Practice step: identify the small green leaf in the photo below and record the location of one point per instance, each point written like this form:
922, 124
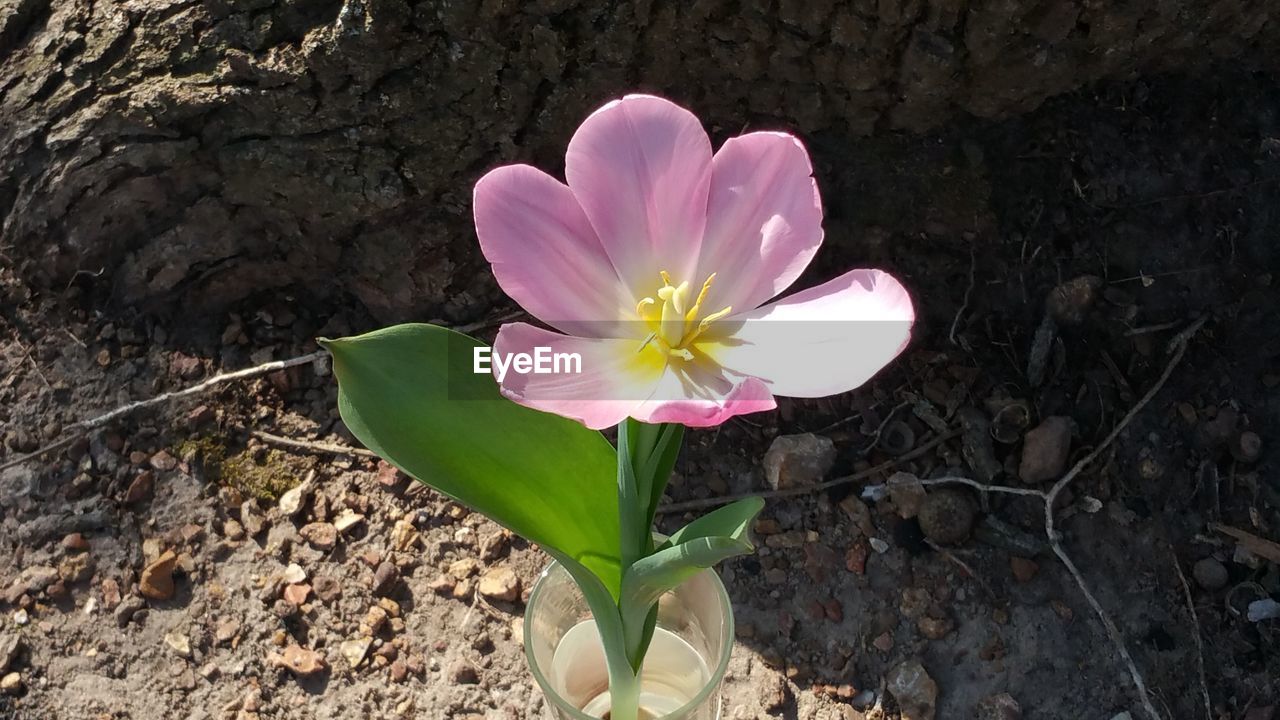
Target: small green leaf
409, 393
732, 520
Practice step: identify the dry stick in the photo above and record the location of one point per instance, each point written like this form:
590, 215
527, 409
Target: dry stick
872, 472
85, 427
1195, 621
965, 305
312, 446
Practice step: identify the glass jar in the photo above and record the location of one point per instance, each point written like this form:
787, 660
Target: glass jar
682, 672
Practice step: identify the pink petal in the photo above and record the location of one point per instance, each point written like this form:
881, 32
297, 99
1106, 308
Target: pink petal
764, 219
822, 341
614, 380
640, 167
703, 395
544, 253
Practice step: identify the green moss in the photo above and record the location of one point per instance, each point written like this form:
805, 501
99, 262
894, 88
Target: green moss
266, 479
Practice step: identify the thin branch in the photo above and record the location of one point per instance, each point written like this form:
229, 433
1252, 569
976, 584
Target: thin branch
312, 446
955, 480
973, 261
85, 427
1195, 622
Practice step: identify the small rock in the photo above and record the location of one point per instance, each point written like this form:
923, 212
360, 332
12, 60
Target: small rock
947, 515
389, 477
110, 593
20, 617
226, 631
294, 499
355, 650
399, 671
298, 660
179, 644
320, 535
233, 530
297, 593
10, 646
156, 582
293, 573
125, 611
906, 496
140, 489
385, 578
1023, 568
347, 520
1070, 302
1210, 574
374, 620
494, 545
464, 568
163, 461
326, 588
883, 642
773, 692
252, 519
464, 673
75, 542
998, 707
1247, 447
798, 460
1045, 450
501, 583
934, 628
915, 691
74, 569
11, 684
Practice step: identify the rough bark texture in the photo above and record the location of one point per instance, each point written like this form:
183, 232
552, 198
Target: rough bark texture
202, 150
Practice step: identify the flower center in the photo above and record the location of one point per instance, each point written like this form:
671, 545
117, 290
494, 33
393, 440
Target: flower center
674, 323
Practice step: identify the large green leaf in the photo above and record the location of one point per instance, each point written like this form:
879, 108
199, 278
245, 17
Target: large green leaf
409, 393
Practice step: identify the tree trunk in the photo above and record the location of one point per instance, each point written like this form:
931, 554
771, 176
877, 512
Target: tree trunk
198, 151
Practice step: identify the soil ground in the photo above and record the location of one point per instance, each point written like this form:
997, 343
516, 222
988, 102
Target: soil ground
1167, 190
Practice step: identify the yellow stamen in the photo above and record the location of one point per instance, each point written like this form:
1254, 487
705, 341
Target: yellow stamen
677, 324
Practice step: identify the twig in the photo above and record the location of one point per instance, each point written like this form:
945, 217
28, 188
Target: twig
787, 492
1195, 622
954, 480
1178, 347
951, 336
84, 427
963, 566
312, 446
1152, 328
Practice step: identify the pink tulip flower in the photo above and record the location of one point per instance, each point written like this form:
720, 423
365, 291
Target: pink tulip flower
657, 260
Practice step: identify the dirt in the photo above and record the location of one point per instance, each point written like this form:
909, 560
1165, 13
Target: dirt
1165, 188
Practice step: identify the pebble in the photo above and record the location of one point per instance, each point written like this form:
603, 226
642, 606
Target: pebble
464, 673
1045, 450
1210, 574
294, 499
298, 660
141, 487
156, 582
163, 461
293, 573
129, 607
320, 535
934, 628
998, 707
500, 583
233, 530
179, 644
798, 460
326, 588
226, 630
947, 516
1247, 447
915, 691
906, 496
74, 569
297, 593
385, 578
252, 519
464, 568
10, 646
347, 520
399, 671
11, 684
1023, 569
355, 650
1070, 302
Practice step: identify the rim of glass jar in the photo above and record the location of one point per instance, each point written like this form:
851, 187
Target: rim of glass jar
717, 675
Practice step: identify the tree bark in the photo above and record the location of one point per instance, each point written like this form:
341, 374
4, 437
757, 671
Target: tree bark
199, 151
